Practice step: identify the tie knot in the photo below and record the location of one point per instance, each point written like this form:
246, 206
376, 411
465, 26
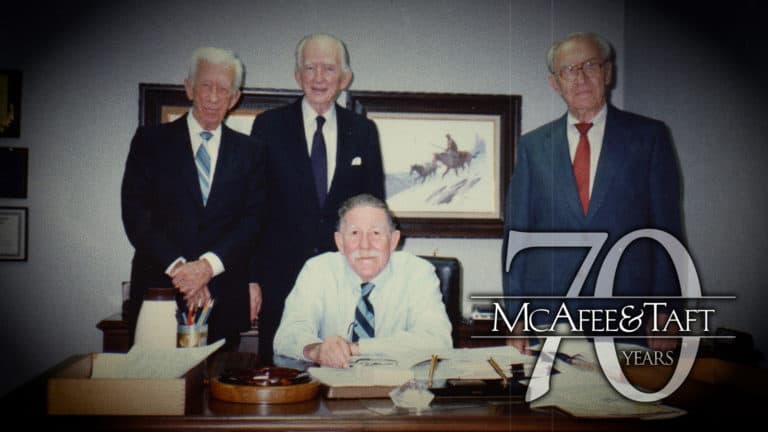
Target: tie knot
320, 121
205, 135
583, 127
366, 288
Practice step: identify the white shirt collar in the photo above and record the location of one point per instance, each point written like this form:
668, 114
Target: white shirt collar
355, 280
597, 121
310, 114
195, 128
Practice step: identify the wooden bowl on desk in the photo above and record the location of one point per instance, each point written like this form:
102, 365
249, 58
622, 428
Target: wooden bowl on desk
264, 395
268, 385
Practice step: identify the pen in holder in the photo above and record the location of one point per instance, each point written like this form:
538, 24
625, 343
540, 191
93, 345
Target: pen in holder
192, 336
193, 326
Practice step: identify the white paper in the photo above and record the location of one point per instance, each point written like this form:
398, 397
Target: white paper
472, 363
361, 376
144, 363
588, 394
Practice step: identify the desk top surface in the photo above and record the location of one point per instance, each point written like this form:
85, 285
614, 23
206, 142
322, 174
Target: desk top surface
378, 414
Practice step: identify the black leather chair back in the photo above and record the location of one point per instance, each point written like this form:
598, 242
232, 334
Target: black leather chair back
448, 270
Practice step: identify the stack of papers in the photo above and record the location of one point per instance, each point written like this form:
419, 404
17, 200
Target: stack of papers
362, 376
395, 369
586, 393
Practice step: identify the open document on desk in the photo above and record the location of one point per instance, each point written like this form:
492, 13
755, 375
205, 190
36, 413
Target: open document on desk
395, 369
578, 385
585, 392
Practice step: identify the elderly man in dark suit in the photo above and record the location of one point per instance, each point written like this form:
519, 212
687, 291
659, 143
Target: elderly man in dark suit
191, 196
595, 169
318, 155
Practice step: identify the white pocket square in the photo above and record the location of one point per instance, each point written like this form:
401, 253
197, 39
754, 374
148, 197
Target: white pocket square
357, 161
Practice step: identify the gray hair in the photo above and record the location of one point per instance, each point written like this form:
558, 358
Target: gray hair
341, 49
365, 200
606, 52
217, 56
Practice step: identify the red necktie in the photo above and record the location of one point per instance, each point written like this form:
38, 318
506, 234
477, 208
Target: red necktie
581, 165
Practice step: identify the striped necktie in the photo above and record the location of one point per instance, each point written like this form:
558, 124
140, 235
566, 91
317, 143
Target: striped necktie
203, 162
364, 323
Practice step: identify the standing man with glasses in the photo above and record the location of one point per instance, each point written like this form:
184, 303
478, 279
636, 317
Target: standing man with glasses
192, 193
318, 155
595, 169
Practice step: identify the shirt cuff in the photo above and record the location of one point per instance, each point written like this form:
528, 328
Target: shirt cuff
179, 260
303, 343
215, 262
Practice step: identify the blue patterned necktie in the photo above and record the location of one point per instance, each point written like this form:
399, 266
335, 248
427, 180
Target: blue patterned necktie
319, 164
203, 162
364, 323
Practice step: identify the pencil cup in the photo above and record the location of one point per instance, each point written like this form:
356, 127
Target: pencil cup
192, 336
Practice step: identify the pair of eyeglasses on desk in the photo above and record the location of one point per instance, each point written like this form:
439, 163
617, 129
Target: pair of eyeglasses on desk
369, 361
577, 360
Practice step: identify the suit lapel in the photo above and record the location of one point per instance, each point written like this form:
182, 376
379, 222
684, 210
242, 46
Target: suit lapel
296, 150
343, 145
612, 157
183, 153
224, 163
565, 182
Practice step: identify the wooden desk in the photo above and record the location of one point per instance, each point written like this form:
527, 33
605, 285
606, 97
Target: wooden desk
318, 414
706, 405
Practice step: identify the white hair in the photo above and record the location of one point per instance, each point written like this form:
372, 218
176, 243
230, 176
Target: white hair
365, 200
606, 52
341, 49
217, 56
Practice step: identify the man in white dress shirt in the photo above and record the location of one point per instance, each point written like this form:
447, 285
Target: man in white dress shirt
321, 318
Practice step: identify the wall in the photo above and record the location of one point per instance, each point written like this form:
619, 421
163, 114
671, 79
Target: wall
82, 64
702, 72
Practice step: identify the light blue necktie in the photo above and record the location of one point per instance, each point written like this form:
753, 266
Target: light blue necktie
203, 162
364, 322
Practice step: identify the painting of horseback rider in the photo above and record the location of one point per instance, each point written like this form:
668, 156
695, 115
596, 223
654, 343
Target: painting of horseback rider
453, 161
423, 171
451, 147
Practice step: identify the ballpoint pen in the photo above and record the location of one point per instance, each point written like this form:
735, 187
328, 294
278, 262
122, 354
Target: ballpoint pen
432, 366
495, 366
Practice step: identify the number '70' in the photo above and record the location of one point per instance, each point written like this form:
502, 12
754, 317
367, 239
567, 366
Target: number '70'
690, 287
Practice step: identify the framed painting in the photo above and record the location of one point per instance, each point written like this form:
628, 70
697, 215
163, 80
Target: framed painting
447, 158
10, 103
13, 233
162, 103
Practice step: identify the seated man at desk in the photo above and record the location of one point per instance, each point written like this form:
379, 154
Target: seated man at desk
364, 299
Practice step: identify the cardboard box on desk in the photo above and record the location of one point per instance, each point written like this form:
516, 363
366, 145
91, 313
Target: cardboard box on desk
73, 391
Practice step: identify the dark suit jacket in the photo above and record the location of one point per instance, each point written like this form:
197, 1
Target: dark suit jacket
164, 216
637, 185
295, 226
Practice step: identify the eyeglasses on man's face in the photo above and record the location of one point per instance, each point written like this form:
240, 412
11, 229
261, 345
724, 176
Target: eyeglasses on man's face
591, 68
